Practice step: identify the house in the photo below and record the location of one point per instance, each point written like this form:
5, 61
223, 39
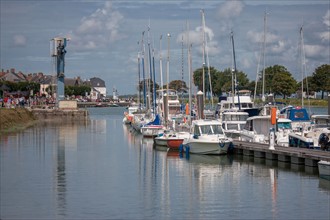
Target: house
98, 85
12, 76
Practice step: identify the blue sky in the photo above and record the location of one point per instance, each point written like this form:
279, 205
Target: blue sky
104, 36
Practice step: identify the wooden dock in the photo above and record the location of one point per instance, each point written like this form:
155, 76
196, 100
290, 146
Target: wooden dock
300, 156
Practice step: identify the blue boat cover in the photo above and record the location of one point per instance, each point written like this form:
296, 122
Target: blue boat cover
300, 114
157, 121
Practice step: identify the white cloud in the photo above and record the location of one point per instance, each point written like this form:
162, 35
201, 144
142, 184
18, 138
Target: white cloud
326, 18
19, 40
226, 14
313, 51
325, 36
279, 47
230, 9
196, 39
258, 37
98, 29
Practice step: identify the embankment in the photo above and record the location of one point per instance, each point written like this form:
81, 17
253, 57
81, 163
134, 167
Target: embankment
14, 119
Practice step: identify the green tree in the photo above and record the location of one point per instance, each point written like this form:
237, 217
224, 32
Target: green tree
149, 84
321, 79
275, 76
224, 81
77, 90
198, 78
178, 85
283, 84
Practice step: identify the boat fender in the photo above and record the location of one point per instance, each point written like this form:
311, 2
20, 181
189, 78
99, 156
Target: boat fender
221, 143
187, 149
181, 148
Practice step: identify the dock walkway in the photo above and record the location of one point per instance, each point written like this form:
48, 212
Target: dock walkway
301, 156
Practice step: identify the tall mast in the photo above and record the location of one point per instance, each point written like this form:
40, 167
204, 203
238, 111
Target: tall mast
168, 70
143, 72
264, 55
161, 69
203, 50
189, 73
150, 68
139, 78
235, 70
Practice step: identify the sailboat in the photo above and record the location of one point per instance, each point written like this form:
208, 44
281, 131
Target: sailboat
238, 100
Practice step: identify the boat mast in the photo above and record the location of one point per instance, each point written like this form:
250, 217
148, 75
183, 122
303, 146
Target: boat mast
264, 55
139, 92
150, 68
161, 70
235, 70
189, 73
203, 57
167, 72
208, 62
143, 72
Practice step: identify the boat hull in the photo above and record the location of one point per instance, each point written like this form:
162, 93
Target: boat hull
151, 130
174, 143
324, 169
215, 147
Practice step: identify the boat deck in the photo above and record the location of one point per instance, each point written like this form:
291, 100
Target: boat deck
301, 156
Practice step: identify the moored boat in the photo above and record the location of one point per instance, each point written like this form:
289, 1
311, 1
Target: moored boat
324, 169
207, 137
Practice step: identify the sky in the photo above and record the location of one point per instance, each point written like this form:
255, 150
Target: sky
105, 37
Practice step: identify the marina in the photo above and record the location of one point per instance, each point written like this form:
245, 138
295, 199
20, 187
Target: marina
104, 169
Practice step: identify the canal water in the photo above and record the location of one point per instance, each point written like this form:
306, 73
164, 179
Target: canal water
103, 170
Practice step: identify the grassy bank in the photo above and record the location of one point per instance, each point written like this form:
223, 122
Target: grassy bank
15, 119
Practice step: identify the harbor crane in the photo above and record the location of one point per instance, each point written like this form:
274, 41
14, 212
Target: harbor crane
58, 51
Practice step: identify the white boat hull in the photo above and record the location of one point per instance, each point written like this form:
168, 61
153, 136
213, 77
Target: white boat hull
151, 130
324, 169
211, 146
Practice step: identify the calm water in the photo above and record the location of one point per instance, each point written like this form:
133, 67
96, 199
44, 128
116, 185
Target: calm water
103, 170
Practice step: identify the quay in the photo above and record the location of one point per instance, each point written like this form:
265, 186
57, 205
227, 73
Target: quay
67, 110
293, 155
102, 104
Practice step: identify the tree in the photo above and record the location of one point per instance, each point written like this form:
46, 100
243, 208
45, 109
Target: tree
178, 85
321, 78
224, 81
278, 80
198, 78
149, 84
77, 90
283, 84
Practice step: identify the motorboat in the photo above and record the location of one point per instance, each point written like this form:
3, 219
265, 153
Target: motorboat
241, 101
128, 115
324, 169
257, 129
314, 136
171, 139
233, 122
207, 137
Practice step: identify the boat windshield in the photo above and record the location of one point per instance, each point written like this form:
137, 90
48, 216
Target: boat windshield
234, 117
211, 129
284, 125
233, 127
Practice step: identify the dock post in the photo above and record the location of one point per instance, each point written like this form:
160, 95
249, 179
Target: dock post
328, 104
271, 139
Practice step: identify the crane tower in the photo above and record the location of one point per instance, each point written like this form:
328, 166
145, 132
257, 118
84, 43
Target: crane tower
58, 51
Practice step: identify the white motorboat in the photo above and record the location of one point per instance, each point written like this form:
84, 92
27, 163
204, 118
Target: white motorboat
315, 136
207, 137
257, 129
324, 169
242, 101
233, 123
171, 139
